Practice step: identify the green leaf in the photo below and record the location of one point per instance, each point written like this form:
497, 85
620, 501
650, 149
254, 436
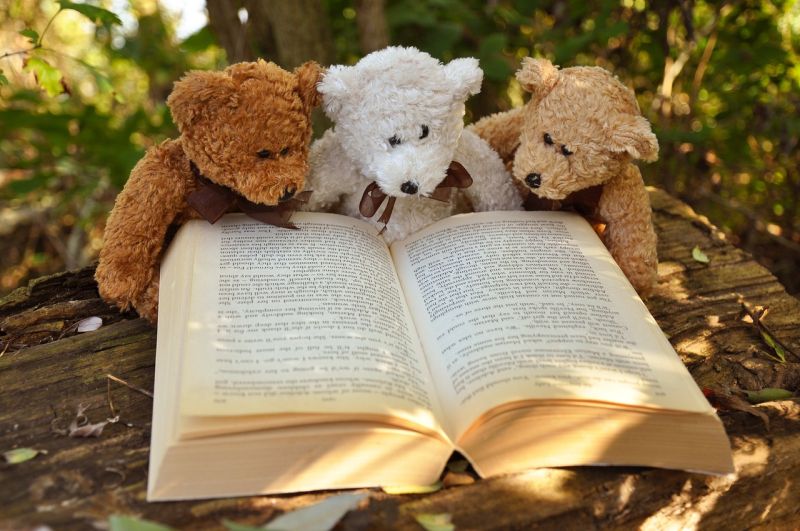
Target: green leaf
768, 394
98, 15
20, 455
493, 44
48, 77
3, 79
32, 34
435, 522
199, 41
774, 345
699, 255
119, 522
413, 489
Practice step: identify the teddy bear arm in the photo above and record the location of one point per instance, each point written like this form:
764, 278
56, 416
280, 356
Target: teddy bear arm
493, 187
501, 131
629, 233
331, 175
135, 232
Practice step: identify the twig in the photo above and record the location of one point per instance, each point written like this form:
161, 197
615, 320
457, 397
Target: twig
757, 315
108, 394
130, 386
19, 52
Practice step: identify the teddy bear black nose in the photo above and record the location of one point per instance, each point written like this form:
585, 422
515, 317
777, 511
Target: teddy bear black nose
534, 180
288, 193
409, 188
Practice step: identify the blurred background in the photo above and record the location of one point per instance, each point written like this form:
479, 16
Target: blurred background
83, 85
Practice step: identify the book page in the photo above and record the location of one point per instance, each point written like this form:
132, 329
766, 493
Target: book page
515, 306
301, 321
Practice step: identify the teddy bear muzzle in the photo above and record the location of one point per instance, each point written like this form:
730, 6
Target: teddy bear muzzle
409, 187
534, 180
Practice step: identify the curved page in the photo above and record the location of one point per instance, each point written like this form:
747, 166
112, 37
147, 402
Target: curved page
300, 321
513, 306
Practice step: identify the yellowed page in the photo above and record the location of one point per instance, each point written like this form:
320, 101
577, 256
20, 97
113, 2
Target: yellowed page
527, 305
308, 321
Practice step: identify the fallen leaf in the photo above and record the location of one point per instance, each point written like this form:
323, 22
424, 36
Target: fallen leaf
458, 466
119, 522
768, 394
699, 255
90, 430
20, 455
456, 479
321, 516
435, 522
90, 324
80, 425
413, 489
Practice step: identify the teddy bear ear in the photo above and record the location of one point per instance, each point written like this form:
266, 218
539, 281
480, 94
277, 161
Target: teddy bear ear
197, 94
537, 76
308, 75
465, 76
336, 87
632, 134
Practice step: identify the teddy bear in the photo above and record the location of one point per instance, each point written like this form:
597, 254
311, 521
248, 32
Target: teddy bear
243, 145
398, 143
573, 146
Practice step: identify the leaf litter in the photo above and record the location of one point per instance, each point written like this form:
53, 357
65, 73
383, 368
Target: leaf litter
80, 425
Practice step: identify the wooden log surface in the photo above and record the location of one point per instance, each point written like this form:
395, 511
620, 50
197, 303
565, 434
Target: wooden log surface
48, 371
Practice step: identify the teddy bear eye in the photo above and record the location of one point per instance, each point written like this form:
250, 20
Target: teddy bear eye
394, 140
548, 139
565, 151
265, 154
424, 132
284, 152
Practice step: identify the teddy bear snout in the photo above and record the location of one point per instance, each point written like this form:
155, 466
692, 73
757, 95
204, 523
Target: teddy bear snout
288, 193
534, 180
409, 187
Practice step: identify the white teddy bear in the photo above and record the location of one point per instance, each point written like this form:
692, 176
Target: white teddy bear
398, 135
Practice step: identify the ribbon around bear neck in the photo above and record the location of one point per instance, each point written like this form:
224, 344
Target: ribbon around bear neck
212, 200
457, 177
585, 202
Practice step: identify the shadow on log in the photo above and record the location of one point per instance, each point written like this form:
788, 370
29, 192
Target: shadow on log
48, 370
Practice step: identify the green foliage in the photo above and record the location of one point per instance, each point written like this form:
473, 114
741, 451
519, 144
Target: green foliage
98, 15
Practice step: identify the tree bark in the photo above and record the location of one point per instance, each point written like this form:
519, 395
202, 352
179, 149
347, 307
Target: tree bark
371, 20
223, 17
288, 32
301, 32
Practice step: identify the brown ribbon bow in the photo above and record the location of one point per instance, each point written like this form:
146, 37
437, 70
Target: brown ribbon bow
457, 177
584, 202
212, 200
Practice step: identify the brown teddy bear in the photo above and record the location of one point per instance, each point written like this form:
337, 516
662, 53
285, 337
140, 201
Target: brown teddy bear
572, 145
243, 144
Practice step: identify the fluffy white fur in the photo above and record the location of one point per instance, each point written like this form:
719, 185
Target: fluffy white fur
394, 92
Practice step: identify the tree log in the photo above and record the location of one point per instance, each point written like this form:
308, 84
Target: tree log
47, 370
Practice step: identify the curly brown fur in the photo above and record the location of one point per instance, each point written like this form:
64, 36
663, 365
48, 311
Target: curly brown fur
582, 128
224, 118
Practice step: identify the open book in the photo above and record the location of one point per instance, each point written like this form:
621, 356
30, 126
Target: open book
322, 359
